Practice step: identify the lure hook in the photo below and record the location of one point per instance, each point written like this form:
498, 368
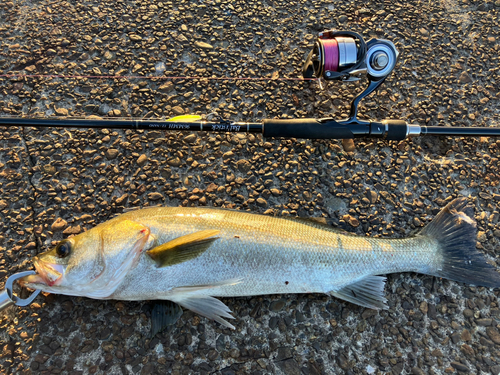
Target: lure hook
7, 297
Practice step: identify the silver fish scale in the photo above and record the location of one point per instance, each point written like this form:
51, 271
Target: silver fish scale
269, 255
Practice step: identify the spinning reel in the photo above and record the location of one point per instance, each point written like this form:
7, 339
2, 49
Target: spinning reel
344, 55
340, 55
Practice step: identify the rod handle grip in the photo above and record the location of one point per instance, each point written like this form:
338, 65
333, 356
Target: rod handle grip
308, 128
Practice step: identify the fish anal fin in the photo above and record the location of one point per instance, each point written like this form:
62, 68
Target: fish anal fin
183, 248
198, 299
367, 292
164, 314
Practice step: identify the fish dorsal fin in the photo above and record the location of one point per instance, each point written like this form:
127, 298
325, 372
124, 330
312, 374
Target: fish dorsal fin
182, 249
197, 298
367, 292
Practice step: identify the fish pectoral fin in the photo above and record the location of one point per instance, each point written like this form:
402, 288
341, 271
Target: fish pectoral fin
204, 304
165, 314
367, 292
183, 248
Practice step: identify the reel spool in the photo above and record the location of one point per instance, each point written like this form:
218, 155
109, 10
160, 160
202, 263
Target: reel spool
338, 55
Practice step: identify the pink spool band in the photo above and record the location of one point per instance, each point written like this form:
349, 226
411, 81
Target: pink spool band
331, 53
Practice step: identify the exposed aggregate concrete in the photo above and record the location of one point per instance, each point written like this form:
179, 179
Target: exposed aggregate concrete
55, 183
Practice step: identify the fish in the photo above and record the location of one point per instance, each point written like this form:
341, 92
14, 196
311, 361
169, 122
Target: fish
191, 256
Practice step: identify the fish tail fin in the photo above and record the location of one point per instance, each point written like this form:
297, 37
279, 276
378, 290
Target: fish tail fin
454, 229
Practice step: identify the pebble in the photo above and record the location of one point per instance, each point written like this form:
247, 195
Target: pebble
372, 196
243, 165
203, 45
276, 306
166, 87
465, 335
423, 31
72, 230
465, 78
190, 138
459, 366
481, 236
61, 111
417, 371
485, 322
261, 202
155, 196
142, 160
424, 307
58, 225
112, 153
348, 145
122, 199
493, 334
108, 55
289, 366
468, 313
174, 162
351, 220
178, 110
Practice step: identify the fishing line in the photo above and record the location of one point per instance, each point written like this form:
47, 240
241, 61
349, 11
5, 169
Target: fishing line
79, 76
330, 54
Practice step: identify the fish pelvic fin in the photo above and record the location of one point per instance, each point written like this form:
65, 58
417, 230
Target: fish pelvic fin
198, 299
183, 248
367, 292
164, 315
454, 229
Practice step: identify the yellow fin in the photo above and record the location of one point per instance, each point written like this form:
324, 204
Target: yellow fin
185, 118
183, 248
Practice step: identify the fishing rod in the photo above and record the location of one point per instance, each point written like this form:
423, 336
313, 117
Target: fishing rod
336, 56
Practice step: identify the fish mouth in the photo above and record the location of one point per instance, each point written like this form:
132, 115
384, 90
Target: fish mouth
49, 274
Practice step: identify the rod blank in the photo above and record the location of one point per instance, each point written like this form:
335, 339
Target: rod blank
460, 132
234, 127
283, 128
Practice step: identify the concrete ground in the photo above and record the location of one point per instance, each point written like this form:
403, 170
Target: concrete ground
55, 183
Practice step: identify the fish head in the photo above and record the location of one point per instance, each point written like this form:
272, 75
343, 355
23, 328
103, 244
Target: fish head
91, 264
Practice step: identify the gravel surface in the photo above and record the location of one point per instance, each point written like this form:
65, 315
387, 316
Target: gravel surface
55, 183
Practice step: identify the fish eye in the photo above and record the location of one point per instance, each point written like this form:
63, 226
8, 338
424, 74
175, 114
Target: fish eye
63, 249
